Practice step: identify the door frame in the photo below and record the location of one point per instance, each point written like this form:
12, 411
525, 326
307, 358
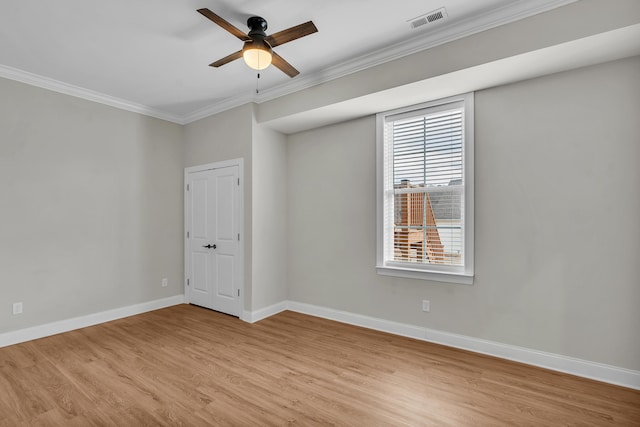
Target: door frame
239, 162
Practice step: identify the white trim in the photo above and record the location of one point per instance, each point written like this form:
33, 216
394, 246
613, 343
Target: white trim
512, 12
509, 13
48, 329
384, 186
569, 365
583, 368
224, 105
239, 162
215, 165
263, 313
88, 94
409, 273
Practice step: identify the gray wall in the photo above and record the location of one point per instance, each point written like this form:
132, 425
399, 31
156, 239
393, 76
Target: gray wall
235, 134
226, 136
557, 208
269, 285
90, 208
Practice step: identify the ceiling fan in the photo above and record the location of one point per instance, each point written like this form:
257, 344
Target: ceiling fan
258, 47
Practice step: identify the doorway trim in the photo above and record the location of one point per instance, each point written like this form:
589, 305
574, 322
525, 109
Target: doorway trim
239, 162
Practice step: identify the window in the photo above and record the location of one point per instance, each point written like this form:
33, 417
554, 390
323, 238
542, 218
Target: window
425, 191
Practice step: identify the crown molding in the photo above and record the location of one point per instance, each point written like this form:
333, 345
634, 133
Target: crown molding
509, 13
80, 92
512, 12
219, 107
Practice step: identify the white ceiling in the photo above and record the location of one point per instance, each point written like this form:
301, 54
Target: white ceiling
152, 56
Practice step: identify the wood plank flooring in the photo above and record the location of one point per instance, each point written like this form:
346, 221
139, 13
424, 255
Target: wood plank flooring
189, 366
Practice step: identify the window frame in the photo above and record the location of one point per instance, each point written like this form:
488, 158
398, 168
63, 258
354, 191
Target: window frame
441, 273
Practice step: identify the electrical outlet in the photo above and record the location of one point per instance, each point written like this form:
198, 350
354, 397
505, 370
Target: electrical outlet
17, 308
165, 282
426, 305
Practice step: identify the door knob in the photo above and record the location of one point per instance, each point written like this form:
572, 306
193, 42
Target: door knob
209, 246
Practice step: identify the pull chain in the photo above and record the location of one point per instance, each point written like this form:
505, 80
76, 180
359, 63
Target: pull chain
257, 84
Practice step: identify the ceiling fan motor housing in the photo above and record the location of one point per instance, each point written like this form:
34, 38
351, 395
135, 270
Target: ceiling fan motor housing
258, 26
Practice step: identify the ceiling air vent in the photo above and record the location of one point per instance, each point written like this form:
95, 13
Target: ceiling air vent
428, 18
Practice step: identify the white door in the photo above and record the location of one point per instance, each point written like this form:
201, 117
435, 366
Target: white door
214, 270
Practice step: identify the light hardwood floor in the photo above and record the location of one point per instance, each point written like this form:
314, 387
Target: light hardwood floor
189, 366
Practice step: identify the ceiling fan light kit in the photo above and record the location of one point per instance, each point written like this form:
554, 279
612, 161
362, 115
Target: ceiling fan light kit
257, 53
258, 47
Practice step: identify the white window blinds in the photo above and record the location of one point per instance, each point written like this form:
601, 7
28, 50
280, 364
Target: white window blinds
425, 181
428, 187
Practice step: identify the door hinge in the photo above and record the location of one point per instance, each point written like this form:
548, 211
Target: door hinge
187, 187
238, 181
187, 282
238, 292
187, 234
238, 237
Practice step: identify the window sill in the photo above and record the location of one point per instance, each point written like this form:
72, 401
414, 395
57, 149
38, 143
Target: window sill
437, 276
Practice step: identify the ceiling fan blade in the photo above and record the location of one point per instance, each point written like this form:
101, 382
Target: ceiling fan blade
279, 62
285, 36
227, 59
224, 24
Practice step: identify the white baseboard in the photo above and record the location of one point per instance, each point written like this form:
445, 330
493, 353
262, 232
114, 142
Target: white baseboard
41, 331
583, 368
597, 371
263, 313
